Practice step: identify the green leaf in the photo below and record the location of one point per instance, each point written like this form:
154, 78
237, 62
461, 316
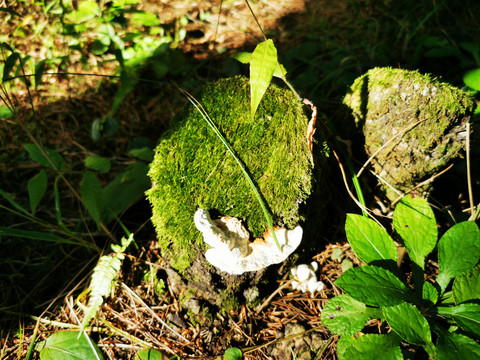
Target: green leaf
262, 66
407, 321
454, 346
101, 284
374, 286
37, 186
92, 196
87, 9
233, 354
472, 79
12, 202
9, 64
126, 189
52, 160
98, 163
145, 19
369, 240
458, 251
414, 221
429, 293
467, 316
151, 354
370, 346
343, 315
68, 345
6, 112
467, 286
39, 70
144, 153
243, 57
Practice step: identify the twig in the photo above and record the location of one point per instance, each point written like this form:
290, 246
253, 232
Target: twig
136, 297
430, 179
469, 175
267, 301
386, 144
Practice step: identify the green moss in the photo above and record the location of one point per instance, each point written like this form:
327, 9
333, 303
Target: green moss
229, 302
386, 101
193, 170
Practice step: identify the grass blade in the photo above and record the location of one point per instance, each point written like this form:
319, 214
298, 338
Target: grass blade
212, 125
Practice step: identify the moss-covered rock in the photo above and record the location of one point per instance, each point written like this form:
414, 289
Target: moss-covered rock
192, 169
386, 101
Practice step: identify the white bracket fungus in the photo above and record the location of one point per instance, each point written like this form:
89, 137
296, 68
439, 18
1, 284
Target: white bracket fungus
232, 251
306, 279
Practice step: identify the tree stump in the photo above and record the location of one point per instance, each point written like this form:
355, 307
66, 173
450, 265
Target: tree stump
193, 170
413, 125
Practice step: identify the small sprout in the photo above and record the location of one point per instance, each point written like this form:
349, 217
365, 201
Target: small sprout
346, 264
232, 251
306, 279
337, 254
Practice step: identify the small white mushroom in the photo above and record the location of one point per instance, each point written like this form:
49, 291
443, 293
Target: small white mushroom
306, 279
232, 251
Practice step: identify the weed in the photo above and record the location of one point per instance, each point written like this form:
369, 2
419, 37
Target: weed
425, 314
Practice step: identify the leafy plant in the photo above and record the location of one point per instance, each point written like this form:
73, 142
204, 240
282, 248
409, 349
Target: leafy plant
102, 278
69, 345
232, 353
442, 319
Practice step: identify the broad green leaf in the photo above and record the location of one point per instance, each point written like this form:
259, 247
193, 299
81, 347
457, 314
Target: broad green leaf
52, 160
472, 79
245, 57
407, 321
92, 196
144, 153
126, 189
87, 9
458, 251
9, 64
68, 345
151, 354
37, 186
262, 66
429, 293
467, 316
373, 286
414, 221
467, 286
454, 346
369, 240
233, 354
5, 112
371, 346
145, 19
98, 163
343, 315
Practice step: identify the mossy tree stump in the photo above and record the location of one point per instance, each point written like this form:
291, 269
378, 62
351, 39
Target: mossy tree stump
425, 117
192, 169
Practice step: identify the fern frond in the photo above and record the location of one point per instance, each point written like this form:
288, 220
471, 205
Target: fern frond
102, 279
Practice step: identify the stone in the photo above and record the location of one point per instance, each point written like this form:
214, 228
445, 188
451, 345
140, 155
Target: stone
428, 118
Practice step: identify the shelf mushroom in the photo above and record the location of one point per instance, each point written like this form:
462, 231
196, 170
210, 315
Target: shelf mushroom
231, 249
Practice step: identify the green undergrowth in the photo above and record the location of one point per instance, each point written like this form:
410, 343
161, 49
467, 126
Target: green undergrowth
193, 170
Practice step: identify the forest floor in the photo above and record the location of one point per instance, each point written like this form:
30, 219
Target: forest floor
324, 45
